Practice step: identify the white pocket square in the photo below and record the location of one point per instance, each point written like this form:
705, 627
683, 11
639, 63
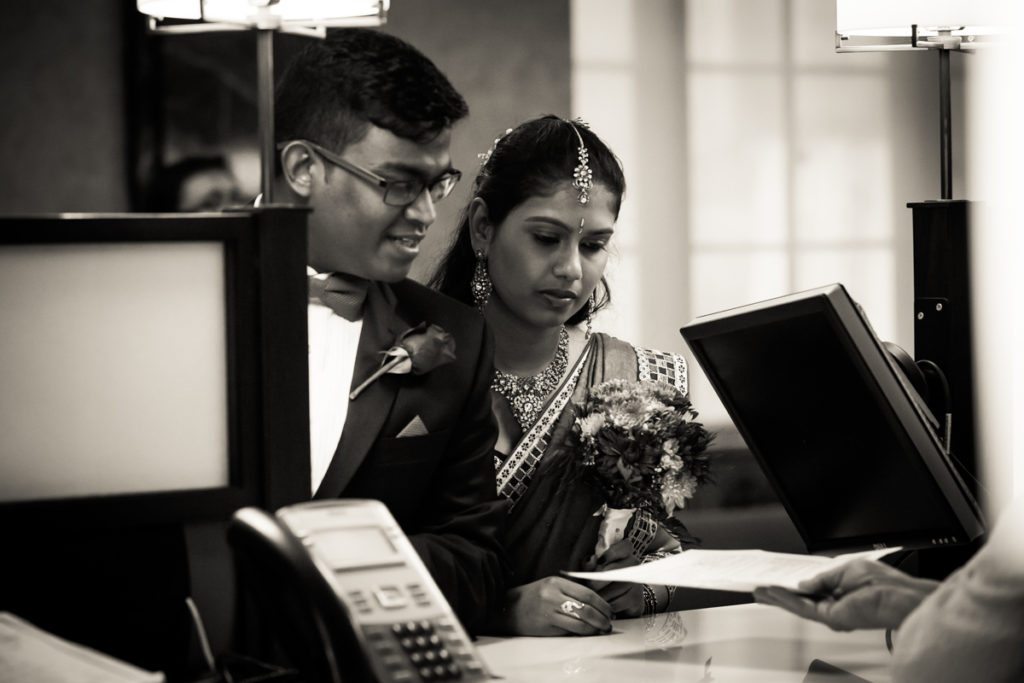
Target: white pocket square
414, 428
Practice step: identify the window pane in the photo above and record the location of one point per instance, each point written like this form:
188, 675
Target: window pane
734, 31
868, 275
843, 170
720, 280
602, 31
737, 170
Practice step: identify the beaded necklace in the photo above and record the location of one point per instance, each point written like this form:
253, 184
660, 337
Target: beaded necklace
525, 395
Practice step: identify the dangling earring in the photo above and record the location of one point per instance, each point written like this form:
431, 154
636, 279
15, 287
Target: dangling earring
591, 305
480, 285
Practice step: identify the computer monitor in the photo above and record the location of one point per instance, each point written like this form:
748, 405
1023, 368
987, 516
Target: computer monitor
839, 432
152, 367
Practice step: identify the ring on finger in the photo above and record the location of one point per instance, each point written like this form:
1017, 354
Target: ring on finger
571, 608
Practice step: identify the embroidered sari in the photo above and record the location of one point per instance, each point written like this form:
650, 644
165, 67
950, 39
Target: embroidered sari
552, 524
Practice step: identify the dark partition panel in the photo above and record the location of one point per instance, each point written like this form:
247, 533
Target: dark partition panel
99, 556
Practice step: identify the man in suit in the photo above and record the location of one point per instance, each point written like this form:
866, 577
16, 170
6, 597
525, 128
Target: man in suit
364, 123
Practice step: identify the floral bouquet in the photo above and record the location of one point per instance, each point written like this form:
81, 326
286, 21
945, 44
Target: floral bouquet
640, 443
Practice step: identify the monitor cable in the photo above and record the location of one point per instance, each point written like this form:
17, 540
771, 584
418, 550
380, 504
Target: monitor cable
204, 642
937, 383
936, 380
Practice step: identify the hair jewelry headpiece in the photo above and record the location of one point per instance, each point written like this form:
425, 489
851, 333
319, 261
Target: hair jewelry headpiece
484, 157
582, 175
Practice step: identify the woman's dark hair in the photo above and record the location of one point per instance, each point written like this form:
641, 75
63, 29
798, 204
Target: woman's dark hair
535, 159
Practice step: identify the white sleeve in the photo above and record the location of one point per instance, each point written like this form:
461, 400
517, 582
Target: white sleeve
972, 627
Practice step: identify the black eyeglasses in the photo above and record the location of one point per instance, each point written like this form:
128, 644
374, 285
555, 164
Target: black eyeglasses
396, 192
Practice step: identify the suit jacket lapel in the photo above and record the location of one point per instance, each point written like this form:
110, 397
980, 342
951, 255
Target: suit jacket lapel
366, 414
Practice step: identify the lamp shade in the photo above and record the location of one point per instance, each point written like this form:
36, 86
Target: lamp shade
282, 14
891, 22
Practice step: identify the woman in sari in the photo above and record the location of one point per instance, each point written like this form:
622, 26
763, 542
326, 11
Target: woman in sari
530, 254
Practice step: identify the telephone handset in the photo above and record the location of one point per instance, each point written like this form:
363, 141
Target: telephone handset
348, 594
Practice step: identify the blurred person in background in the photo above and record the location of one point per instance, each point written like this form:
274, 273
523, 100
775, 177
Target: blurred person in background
193, 184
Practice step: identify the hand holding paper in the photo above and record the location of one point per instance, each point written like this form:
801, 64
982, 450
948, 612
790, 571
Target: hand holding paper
859, 594
731, 570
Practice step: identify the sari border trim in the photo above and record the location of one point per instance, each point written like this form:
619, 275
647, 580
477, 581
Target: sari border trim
654, 366
513, 476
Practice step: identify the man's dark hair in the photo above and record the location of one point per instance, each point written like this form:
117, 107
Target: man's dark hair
337, 86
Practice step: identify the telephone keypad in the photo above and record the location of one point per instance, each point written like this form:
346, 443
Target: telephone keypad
427, 651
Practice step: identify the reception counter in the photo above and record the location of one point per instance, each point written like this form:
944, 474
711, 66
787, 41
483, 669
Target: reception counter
721, 644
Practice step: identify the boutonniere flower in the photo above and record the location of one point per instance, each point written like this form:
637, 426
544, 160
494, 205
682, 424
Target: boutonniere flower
418, 350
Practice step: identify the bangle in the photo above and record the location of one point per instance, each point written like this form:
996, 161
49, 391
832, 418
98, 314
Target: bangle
650, 600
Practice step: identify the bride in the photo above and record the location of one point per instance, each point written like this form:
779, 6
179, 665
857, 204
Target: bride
530, 252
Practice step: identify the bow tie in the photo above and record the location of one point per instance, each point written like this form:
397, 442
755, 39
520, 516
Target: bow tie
343, 294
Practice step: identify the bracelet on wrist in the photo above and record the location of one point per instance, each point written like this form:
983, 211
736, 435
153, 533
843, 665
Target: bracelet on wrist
650, 600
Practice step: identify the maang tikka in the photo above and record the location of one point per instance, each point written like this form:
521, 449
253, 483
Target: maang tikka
480, 286
582, 175
484, 157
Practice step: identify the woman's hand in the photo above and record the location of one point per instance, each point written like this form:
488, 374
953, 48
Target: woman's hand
535, 609
625, 599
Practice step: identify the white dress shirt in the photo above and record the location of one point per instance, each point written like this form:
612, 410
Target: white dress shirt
332, 356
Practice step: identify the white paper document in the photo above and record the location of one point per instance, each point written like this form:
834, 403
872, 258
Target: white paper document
31, 655
730, 570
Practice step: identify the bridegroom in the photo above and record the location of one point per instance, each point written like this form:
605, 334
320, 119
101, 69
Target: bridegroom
364, 123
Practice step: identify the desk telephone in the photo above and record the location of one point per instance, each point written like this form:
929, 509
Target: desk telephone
343, 575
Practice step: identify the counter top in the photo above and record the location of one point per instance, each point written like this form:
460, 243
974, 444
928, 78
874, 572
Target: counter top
737, 643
